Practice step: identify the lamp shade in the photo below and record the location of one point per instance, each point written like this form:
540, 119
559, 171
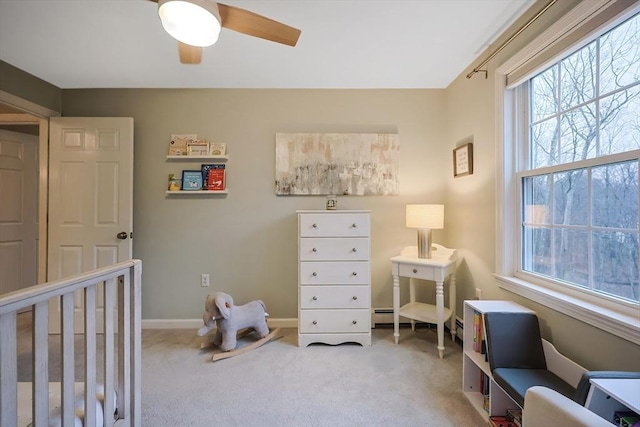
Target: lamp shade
193, 22
425, 216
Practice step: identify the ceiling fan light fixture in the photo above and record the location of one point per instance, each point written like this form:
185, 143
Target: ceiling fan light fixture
193, 22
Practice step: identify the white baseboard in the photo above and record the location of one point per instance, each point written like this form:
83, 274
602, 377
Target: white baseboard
196, 324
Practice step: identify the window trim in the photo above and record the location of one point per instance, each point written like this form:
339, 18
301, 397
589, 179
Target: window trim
620, 319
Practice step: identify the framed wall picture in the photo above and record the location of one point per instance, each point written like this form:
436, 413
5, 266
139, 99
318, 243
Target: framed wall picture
463, 160
192, 180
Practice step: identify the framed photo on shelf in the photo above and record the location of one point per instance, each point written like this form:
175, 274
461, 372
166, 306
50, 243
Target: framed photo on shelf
463, 160
191, 180
217, 149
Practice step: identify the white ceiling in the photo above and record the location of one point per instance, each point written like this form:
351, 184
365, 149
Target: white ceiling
344, 44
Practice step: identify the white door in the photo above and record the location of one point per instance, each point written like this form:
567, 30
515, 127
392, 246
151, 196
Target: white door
18, 210
90, 198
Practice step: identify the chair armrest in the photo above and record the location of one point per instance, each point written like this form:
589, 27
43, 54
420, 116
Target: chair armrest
561, 365
544, 407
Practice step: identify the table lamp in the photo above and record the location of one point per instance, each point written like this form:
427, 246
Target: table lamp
425, 218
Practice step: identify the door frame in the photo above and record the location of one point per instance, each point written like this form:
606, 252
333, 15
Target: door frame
42, 114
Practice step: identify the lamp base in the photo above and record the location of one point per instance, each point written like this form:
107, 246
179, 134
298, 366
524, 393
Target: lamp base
424, 243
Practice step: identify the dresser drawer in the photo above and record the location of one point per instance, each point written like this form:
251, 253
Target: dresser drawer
334, 296
334, 225
341, 321
334, 249
334, 273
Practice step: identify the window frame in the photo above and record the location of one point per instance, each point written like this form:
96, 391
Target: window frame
621, 318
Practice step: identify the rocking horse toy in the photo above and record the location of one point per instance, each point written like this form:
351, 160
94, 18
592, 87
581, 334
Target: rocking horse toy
233, 322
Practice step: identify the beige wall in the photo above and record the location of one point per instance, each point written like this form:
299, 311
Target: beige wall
247, 240
471, 204
30, 88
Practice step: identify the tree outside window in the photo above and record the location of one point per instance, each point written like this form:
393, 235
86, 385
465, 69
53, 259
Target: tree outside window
580, 216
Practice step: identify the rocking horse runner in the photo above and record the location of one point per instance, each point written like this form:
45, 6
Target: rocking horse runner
229, 318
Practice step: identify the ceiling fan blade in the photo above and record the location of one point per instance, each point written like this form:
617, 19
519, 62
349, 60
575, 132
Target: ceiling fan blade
246, 22
189, 54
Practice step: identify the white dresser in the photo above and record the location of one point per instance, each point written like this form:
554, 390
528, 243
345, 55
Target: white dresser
334, 277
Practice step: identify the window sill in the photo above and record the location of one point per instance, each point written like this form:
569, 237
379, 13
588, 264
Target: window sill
626, 326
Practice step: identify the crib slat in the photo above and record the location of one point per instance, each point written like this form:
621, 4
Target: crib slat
136, 343
109, 356
124, 349
68, 358
40, 364
8, 370
90, 356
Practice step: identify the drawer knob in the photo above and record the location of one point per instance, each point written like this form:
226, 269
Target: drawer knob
354, 273
315, 225
355, 297
415, 270
354, 322
354, 250
315, 322
353, 225
314, 250
315, 298
314, 274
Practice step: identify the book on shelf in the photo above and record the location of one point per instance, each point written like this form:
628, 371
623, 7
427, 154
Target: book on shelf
476, 315
216, 178
500, 421
178, 143
205, 172
479, 345
629, 421
515, 415
191, 180
175, 184
626, 418
217, 149
198, 147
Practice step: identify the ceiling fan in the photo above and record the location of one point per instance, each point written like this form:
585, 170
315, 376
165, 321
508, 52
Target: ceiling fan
197, 24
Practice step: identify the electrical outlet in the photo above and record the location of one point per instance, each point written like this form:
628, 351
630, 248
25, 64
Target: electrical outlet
478, 293
204, 280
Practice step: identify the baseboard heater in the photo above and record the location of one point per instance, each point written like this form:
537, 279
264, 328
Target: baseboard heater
383, 318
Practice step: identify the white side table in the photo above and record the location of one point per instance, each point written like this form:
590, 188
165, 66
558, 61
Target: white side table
438, 268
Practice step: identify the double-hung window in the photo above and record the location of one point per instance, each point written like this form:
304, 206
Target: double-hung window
576, 126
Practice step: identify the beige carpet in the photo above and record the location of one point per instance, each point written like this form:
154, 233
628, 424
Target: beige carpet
281, 384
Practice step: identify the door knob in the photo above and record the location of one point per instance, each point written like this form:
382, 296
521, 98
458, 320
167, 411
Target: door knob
122, 235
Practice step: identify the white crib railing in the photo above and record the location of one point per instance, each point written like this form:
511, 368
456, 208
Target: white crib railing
122, 353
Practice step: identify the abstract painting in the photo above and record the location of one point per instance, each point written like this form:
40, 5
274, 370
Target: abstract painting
337, 163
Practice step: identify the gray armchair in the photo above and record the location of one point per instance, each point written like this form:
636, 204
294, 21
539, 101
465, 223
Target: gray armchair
520, 359
517, 357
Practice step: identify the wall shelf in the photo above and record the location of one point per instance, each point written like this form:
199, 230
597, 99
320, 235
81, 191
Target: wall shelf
194, 158
198, 192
